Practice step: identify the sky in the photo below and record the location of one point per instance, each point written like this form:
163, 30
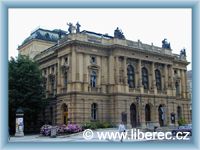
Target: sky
147, 25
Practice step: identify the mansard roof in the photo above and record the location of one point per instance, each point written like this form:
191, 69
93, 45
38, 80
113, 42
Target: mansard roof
46, 35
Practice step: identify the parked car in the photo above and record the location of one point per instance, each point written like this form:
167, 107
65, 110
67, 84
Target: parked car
183, 128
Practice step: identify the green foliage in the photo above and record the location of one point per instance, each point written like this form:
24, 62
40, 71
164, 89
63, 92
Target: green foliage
107, 125
25, 90
181, 121
96, 125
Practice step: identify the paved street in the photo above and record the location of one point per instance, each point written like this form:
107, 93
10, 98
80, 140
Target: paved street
78, 137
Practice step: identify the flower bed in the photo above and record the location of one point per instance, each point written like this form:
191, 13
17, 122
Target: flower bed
61, 129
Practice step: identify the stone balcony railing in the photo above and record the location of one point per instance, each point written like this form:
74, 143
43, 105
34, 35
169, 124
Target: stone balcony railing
94, 89
84, 37
114, 41
64, 90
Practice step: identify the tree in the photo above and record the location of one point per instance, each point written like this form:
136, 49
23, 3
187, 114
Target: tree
25, 90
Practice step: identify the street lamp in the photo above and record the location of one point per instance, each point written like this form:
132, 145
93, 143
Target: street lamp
138, 99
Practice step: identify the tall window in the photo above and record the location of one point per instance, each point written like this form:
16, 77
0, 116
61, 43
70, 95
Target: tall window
147, 113
131, 76
93, 78
158, 79
177, 88
179, 112
94, 111
145, 80
65, 113
65, 79
52, 82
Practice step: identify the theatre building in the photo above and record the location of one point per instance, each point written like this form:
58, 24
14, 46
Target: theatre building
90, 76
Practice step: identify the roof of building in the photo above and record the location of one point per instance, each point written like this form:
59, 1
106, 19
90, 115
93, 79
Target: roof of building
97, 34
47, 35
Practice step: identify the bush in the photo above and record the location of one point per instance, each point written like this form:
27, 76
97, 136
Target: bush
107, 125
96, 125
90, 125
73, 128
181, 122
45, 130
61, 129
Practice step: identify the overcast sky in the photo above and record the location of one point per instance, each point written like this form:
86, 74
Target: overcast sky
147, 25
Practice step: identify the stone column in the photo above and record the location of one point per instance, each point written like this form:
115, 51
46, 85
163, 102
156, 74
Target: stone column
59, 76
172, 81
48, 81
128, 115
85, 72
117, 69
186, 85
156, 115
142, 115
125, 71
183, 85
140, 76
166, 78
111, 69
125, 76
153, 115
73, 68
153, 78
111, 72
73, 65
180, 83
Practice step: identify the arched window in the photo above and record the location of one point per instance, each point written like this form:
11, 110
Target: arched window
131, 76
94, 111
93, 78
177, 88
145, 80
65, 113
179, 112
158, 79
147, 113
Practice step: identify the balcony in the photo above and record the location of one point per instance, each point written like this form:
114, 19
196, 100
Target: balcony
64, 90
94, 89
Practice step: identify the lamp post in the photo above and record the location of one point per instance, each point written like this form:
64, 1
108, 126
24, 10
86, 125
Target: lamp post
19, 122
138, 99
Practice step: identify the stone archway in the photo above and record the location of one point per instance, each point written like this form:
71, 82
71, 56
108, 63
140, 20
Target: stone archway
133, 115
161, 115
147, 113
64, 109
179, 113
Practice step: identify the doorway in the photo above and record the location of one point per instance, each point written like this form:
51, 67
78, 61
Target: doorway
133, 115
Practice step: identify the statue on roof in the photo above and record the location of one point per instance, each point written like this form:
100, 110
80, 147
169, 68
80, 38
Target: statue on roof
165, 44
78, 27
71, 28
119, 34
183, 53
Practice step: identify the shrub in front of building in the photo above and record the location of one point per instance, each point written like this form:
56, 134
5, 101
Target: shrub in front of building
97, 125
45, 130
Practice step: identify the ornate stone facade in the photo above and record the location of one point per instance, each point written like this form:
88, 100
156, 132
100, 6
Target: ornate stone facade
89, 76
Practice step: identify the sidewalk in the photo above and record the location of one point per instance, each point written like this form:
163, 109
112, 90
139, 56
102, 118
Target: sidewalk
76, 137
